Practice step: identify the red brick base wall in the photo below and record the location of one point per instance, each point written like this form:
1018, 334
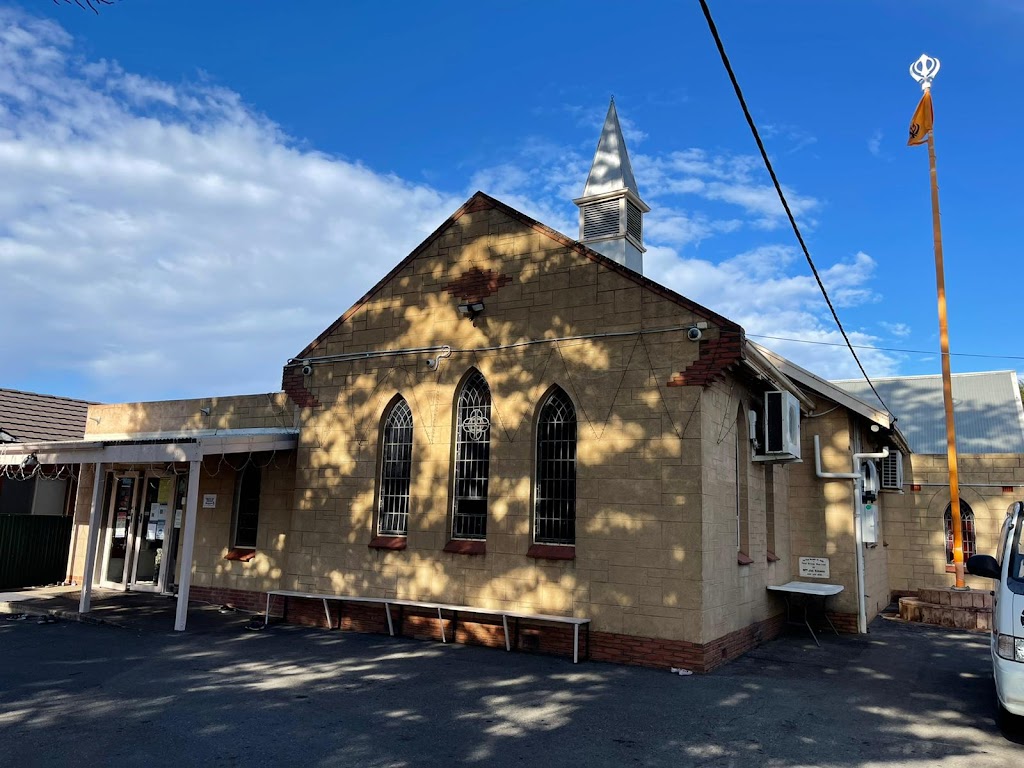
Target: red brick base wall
555, 640
696, 657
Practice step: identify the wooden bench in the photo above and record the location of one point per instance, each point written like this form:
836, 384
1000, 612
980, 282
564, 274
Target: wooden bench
441, 608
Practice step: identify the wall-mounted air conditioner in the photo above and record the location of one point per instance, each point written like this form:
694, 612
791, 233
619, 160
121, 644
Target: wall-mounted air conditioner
781, 426
892, 471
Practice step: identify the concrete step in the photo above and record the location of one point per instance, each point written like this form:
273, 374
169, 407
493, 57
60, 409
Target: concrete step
947, 615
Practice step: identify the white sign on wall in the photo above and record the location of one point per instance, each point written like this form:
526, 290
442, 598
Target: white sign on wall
814, 567
209, 500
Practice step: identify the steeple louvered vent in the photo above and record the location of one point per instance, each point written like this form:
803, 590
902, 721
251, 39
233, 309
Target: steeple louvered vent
601, 219
634, 222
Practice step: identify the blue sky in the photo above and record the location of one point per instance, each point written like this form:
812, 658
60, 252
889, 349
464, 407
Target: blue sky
173, 173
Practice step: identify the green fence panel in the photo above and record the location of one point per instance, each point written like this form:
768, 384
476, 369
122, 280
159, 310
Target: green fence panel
33, 550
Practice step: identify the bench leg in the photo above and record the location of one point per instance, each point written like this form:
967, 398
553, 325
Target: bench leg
391, 627
504, 624
824, 610
266, 616
328, 612
808, 624
440, 623
575, 643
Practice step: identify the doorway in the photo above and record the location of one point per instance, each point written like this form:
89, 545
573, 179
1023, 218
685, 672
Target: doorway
143, 520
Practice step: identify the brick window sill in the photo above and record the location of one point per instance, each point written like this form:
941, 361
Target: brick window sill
551, 552
388, 542
241, 555
466, 547
772, 557
742, 558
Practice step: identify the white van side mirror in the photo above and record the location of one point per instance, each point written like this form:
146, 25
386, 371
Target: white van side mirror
983, 565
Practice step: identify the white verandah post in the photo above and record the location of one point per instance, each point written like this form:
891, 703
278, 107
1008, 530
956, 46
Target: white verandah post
189, 532
93, 540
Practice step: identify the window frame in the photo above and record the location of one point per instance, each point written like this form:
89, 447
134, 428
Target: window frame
399, 405
571, 467
968, 532
236, 514
473, 384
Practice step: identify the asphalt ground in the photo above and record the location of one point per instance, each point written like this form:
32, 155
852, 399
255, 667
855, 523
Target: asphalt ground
76, 694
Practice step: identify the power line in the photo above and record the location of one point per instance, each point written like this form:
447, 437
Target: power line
782, 196
884, 349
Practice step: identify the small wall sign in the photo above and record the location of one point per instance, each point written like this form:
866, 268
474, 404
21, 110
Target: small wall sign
814, 567
209, 501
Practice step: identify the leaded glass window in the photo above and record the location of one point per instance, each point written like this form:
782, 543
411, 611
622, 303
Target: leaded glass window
395, 471
966, 530
555, 490
472, 459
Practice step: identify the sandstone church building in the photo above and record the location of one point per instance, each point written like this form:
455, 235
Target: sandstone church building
510, 419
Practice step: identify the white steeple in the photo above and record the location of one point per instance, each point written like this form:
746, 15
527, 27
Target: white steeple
611, 211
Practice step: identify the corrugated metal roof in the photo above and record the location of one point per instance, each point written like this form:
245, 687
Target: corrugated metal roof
29, 416
987, 410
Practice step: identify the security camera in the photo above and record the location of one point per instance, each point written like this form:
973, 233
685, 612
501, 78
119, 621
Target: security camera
432, 363
307, 369
694, 334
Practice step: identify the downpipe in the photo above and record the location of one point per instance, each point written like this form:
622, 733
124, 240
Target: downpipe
858, 518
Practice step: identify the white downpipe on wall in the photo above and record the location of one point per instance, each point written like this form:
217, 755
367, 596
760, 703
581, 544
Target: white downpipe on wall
858, 518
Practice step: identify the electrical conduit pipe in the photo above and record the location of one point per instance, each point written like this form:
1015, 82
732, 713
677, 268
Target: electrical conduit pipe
858, 518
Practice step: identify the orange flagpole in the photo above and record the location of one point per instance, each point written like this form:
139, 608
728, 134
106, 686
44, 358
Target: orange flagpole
924, 70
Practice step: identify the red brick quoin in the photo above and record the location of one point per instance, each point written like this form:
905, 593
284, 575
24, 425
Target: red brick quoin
294, 385
477, 284
714, 356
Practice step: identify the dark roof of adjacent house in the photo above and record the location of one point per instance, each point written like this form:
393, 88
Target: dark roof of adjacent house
28, 416
987, 410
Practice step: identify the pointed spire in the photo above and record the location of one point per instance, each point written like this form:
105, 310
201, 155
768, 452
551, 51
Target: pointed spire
611, 170
611, 211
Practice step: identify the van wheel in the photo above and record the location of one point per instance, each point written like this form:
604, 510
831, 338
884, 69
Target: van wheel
1008, 722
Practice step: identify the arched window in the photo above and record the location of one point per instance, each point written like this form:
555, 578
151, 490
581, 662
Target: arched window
395, 471
472, 459
966, 529
555, 490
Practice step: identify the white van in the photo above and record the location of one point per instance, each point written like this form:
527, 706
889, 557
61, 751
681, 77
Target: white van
1007, 568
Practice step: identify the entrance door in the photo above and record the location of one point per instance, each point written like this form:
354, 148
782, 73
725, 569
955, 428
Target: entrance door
120, 531
152, 530
139, 520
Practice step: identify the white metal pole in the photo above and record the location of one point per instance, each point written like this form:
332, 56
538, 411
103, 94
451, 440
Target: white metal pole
189, 532
92, 542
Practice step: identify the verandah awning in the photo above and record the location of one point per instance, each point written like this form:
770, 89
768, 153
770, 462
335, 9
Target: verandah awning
152, 447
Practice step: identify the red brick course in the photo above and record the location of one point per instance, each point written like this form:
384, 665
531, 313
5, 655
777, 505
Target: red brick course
294, 385
477, 284
552, 640
713, 359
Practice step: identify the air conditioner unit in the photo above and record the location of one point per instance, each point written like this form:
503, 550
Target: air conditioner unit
892, 471
781, 425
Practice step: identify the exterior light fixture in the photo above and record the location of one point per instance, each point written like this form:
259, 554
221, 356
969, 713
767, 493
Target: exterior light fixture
471, 310
30, 462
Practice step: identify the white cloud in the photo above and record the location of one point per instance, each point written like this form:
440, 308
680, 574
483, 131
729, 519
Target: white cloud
899, 330
164, 240
875, 144
782, 310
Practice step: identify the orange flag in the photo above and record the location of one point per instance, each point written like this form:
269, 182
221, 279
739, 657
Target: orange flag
921, 122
